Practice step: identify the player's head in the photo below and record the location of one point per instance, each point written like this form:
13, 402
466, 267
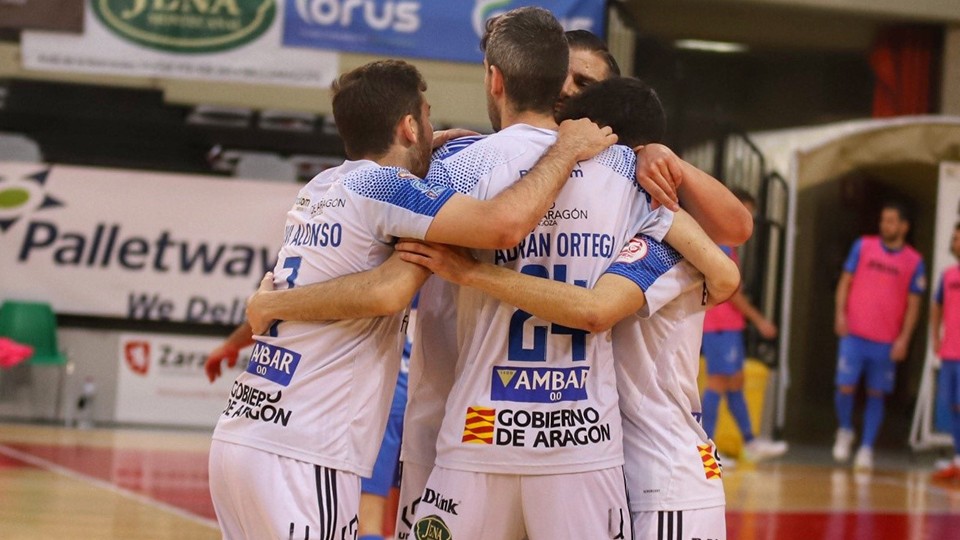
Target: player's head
745, 198
628, 105
381, 104
590, 63
525, 62
955, 241
894, 222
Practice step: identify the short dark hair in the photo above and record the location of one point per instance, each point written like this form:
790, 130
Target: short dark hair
584, 40
370, 100
900, 207
528, 46
628, 105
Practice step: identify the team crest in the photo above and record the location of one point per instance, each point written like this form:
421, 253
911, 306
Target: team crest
635, 250
431, 528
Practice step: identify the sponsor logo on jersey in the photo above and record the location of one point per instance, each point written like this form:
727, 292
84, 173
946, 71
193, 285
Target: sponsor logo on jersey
478, 426
431, 528
555, 215
535, 429
539, 385
317, 208
711, 463
255, 404
430, 191
187, 26
273, 363
20, 196
635, 250
301, 203
446, 504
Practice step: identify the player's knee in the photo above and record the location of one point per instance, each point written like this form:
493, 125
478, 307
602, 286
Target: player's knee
845, 389
717, 383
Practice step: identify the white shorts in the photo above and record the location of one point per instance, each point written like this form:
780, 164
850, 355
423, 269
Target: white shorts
461, 504
257, 495
702, 523
413, 479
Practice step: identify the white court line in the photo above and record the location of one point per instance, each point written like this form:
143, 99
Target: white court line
70, 473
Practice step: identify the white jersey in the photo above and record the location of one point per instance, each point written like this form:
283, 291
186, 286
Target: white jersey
670, 462
531, 397
434, 352
321, 392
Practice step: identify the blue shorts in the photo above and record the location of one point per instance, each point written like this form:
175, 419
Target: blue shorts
948, 385
385, 473
724, 352
858, 356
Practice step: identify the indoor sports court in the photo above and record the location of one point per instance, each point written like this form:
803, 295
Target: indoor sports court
155, 155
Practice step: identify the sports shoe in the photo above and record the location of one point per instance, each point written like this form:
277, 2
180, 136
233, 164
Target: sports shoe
761, 449
952, 472
863, 461
727, 462
841, 448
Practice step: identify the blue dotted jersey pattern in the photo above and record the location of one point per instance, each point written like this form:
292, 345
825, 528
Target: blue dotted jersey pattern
456, 145
644, 272
398, 187
470, 168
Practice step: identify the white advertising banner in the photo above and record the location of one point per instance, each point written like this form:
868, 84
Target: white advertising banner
135, 244
233, 40
161, 380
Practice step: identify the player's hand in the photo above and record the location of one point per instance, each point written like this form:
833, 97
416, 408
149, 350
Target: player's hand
584, 138
444, 136
450, 263
898, 353
259, 322
227, 352
767, 329
659, 173
840, 325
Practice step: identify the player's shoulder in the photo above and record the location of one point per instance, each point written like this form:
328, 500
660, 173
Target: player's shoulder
453, 147
619, 159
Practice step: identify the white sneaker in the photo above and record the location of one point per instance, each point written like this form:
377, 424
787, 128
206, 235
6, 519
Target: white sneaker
863, 461
841, 448
761, 449
727, 462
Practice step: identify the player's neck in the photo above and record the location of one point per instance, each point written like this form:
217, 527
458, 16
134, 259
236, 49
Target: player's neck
395, 157
895, 245
535, 119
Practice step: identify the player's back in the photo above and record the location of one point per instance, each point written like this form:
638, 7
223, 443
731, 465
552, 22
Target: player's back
669, 461
320, 392
533, 397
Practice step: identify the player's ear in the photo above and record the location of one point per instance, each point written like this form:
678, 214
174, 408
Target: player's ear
407, 129
496, 80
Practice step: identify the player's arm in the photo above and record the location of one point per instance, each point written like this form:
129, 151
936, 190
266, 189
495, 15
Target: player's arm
900, 345
936, 315
611, 299
719, 271
503, 221
671, 180
384, 290
229, 350
840, 303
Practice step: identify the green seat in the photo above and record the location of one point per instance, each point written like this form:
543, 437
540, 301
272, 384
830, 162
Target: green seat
34, 324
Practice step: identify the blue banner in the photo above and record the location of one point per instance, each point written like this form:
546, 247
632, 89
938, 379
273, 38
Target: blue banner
434, 29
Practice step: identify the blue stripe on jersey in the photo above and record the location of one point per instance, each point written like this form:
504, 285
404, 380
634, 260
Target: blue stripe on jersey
470, 168
645, 270
398, 187
619, 158
456, 145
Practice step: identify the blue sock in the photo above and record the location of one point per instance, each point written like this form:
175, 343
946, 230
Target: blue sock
370, 537
872, 418
956, 431
711, 403
844, 406
738, 408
